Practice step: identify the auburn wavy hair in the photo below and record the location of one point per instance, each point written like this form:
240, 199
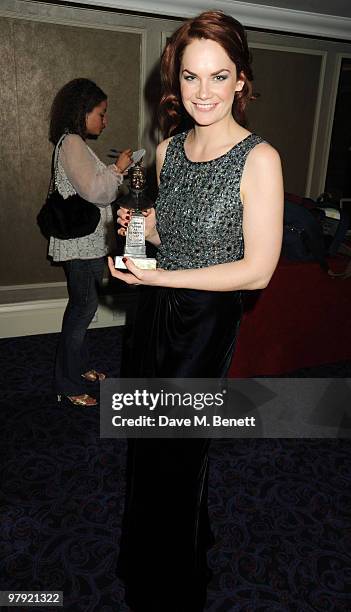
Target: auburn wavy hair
212, 25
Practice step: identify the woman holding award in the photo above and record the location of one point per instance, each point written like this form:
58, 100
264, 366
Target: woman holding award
218, 229
78, 113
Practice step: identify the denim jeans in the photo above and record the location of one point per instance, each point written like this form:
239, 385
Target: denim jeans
84, 276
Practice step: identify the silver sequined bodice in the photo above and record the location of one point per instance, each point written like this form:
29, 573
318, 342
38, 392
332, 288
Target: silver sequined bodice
199, 211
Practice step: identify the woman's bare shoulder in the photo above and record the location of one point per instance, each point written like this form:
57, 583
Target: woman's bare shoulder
162, 148
263, 153
262, 174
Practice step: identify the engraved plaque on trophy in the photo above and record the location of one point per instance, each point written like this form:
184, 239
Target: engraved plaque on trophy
136, 201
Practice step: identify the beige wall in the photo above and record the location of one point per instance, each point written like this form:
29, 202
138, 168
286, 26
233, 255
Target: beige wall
284, 112
36, 60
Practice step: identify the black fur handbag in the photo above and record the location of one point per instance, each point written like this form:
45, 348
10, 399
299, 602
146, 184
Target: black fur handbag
66, 218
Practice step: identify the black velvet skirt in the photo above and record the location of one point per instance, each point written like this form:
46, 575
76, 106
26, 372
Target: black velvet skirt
182, 333
166, 531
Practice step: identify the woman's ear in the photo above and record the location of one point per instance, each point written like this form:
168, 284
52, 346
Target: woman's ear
240, 83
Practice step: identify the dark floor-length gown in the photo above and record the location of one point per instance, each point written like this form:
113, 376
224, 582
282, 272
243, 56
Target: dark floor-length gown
189, 334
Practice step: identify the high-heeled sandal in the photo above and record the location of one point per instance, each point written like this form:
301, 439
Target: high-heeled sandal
93, 376
79, 400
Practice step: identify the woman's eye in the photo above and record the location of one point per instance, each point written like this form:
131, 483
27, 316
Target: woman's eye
189, 77
220, 77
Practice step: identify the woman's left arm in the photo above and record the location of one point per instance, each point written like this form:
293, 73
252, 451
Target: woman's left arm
263, 197
93, 181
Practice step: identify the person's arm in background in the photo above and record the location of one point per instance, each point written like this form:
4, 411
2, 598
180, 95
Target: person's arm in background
93, 183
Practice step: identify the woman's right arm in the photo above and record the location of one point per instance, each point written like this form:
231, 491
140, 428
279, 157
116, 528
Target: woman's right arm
93, 183
123, 214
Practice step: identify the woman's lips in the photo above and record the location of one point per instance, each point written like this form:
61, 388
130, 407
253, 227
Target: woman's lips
205, 107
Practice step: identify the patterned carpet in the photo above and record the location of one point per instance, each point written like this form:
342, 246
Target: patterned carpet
280, 509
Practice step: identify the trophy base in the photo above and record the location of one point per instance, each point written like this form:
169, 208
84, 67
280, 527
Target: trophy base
144, 263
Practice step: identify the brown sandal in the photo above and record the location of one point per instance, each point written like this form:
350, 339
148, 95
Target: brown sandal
93, 376
79, 400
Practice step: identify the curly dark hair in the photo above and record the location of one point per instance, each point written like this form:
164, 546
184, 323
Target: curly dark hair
70, 106
212, 25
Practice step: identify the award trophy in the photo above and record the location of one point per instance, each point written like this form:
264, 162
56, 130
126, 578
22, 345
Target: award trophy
136, 201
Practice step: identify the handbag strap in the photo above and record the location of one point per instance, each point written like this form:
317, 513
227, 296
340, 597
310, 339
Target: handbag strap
54, 162
57, 149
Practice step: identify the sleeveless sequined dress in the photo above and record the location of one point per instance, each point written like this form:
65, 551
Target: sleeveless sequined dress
190, 334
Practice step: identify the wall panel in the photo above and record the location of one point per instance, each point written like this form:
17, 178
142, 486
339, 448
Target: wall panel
284, 113
43, 56
10, 160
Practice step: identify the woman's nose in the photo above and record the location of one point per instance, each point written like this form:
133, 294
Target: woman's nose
203, 92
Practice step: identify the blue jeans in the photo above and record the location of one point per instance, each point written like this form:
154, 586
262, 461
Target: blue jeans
84, 276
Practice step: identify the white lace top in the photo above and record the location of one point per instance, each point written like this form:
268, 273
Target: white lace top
79, 170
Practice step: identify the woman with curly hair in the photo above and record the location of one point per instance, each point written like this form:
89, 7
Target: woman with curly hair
78, 112
217, 224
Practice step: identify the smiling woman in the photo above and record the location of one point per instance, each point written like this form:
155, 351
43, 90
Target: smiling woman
217, 224
208, 95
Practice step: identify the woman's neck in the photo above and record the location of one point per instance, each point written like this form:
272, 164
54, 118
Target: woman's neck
210, 141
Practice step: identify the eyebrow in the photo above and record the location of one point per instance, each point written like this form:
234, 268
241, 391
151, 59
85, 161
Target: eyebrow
212, 73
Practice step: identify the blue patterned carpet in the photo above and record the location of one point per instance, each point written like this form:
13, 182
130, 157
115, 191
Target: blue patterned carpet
280, 509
